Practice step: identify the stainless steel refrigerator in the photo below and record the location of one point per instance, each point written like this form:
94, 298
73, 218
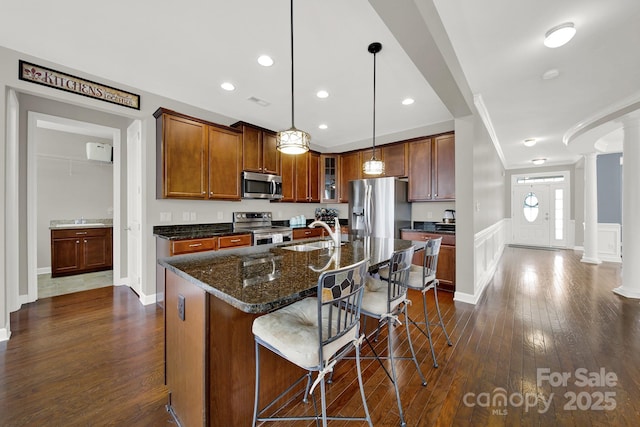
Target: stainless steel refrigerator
379, 207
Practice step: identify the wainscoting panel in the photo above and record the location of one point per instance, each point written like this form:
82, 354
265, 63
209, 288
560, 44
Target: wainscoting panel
488, 247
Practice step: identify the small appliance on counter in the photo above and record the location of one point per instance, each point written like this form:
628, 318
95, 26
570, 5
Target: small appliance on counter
449, 216
327, 215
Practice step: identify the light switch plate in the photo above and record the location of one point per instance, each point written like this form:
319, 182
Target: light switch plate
192, 216
220, 215
185, 216
165, 216
181, 307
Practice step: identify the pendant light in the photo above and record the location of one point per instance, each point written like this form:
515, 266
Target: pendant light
292, 140
374, 166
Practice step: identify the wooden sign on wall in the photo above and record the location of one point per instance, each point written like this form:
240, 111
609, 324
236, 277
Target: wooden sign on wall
56, 79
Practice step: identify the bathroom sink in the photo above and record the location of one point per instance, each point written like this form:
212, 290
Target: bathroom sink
312, 246
89, 224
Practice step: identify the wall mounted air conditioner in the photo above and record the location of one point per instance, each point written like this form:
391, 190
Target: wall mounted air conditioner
99, 152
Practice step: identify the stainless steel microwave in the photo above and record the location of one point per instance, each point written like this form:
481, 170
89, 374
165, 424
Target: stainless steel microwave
261, 186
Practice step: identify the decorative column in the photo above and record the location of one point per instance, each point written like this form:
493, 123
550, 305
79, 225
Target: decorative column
630, 207
590, 254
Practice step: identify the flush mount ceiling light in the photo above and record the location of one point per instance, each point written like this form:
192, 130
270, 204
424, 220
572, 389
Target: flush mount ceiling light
292, 140
407, 101
559, 35
374, 166
550, 74
322, 94
538, 161
530, 142
227, 86
265, 60
323, 126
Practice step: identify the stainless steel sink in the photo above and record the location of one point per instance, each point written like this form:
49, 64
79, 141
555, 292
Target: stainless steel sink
311, 246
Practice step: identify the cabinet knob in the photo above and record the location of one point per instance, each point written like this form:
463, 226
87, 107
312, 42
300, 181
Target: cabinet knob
77, 241
85, 241
211, 193
429, 195
436, 195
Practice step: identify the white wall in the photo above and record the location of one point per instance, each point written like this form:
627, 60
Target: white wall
69, 186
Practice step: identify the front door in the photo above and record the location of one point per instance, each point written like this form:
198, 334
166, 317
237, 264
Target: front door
531, 215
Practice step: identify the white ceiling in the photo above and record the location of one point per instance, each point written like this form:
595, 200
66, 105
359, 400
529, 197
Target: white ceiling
184, 50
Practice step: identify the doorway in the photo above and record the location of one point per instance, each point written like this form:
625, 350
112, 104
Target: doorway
540, 209
43, 121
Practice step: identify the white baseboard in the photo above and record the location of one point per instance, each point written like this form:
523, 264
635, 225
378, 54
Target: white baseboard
44, 270
148, 299
4, 334
464, 297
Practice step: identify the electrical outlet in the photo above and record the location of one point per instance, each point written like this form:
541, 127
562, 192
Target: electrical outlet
165, 216
220, 215
429, 215
192, 216
185, 216
181, 307
279, 214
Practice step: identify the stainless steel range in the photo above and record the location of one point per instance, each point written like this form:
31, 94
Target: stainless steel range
259, 223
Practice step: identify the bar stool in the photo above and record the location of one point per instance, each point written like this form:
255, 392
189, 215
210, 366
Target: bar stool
314, 334
385, 301
424, 280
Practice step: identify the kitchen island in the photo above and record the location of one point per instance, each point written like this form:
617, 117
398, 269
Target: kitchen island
211, 302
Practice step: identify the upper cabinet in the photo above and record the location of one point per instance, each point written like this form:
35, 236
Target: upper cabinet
301, 177
196, 159
350, 168
259, 153
432, 169
329, 178
396, 160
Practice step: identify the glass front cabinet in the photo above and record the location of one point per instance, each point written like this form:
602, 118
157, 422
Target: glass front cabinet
329, 174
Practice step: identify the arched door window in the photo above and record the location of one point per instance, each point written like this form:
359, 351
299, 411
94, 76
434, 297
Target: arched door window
530, 207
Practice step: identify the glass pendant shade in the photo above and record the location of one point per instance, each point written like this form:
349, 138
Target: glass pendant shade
373, 167
293, 141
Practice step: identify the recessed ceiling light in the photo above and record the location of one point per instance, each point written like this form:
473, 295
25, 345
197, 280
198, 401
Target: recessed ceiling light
530, 142
227, 86
538, 161
265, 60
559, 35
322, 94
323, 126
407, 101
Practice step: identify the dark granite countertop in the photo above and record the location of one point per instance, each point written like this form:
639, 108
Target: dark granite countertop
194, 231
259, 279
429, 227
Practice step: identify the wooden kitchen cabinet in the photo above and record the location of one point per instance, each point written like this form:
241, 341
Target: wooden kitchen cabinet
234, 241
446, 272
396, 160
307, 233
329, 178
182, 157
350, 168
225, 164
259, 152
196, 159
432, 169
81, 250
300, 177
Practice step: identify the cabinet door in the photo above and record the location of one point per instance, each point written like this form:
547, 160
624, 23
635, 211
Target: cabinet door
446, 272
395, 160
444, 162
225, 164
270, 154
350, 169
287, 168
420, 170
96, 252
65, 255
251, 149
329, 178
184, 150
314, 177
302, 177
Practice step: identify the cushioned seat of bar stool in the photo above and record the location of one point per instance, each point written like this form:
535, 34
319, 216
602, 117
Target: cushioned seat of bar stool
292, 332
416, 281
374, 299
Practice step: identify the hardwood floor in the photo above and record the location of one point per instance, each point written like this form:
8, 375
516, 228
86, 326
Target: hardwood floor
95, 357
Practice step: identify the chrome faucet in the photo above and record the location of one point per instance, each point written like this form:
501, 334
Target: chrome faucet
334, 234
